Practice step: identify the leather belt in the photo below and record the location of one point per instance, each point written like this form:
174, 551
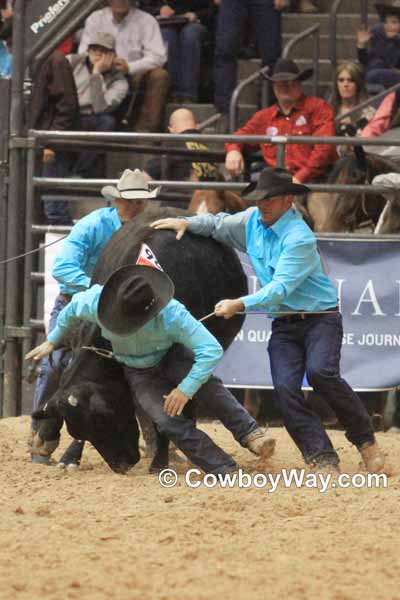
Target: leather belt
302, 316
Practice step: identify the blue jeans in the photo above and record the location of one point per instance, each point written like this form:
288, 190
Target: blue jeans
233, 14
384, 78
86, 163
184, 58
51, 368
150, 385
313, 346
57, 210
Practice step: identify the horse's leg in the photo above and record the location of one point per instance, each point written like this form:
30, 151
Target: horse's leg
72, 455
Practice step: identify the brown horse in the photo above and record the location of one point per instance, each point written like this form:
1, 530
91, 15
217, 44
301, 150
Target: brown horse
338, 212
215, 201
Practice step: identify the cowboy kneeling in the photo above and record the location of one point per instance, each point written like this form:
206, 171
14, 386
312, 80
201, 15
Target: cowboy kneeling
150, 333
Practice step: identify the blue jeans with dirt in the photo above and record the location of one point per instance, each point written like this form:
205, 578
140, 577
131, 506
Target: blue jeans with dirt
312, 346
149, 387
51, 367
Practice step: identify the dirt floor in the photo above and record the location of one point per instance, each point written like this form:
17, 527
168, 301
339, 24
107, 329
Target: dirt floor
93, 534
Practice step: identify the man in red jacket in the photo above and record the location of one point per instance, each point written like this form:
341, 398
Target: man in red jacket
293, 114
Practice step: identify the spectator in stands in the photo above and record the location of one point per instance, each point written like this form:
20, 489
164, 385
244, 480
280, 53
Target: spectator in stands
184, 42
387, 116
54, 106
349, 91
183, 121
379, 48
264, 17
293, 114
101, 89
140, 55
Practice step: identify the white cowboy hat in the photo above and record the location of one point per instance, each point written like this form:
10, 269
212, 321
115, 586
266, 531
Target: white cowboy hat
131, 186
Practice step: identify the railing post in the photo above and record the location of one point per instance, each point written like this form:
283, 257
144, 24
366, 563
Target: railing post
15, 220
29, 259
315, 62
333, 32
281, 154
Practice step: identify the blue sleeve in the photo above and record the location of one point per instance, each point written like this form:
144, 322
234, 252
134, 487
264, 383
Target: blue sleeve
207, 350
68, 265
82, 306
230, 229
296, 262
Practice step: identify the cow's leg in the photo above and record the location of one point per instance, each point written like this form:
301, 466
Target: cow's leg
72, 455
161, 457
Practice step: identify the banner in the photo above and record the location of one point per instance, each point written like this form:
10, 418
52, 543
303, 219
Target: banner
40, 14
366, 273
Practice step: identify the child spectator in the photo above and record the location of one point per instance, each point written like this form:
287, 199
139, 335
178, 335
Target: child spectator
379, 48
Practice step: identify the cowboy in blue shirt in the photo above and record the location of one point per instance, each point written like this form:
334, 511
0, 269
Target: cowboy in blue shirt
137, 314
307, 327
76, 260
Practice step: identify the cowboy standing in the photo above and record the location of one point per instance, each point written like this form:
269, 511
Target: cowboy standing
74, 265
293, 114
137, 314
307, 336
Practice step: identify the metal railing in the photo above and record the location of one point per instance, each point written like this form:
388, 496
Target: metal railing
333, 30
310, 31
25, 326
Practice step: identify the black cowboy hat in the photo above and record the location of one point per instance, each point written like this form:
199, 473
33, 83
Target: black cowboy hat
287, 70
131, 296
272, 183
388, 8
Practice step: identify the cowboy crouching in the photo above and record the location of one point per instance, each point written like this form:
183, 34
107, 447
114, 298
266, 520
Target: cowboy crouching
156, 339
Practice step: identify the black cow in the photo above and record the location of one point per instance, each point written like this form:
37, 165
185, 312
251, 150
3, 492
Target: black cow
93, 397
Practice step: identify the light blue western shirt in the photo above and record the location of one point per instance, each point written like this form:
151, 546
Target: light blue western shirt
284, 256
146, 347
73, 266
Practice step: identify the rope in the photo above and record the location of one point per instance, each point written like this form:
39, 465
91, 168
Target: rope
109, 354
3, 262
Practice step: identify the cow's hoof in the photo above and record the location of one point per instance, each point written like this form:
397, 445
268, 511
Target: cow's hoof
156, 468
37, 459
71, 466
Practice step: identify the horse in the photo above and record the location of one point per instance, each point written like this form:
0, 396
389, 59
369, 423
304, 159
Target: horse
339, 212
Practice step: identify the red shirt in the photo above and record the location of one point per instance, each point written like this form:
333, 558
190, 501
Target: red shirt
310, 116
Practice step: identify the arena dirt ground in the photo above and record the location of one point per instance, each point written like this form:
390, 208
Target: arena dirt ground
94, 535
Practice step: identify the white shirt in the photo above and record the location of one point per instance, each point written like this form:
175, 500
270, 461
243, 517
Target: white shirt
138, 38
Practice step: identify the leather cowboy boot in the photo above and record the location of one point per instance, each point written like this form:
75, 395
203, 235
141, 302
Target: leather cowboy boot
260, 443
373, 457
155, 90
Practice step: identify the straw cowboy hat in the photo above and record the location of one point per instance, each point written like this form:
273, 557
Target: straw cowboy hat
131, 296
131, 186
272, 183
287, 70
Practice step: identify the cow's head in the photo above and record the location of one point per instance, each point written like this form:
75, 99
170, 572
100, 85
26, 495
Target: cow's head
95, 401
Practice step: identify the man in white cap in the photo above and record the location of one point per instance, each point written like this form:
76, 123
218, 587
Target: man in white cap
75, 262
149, 332
101, 88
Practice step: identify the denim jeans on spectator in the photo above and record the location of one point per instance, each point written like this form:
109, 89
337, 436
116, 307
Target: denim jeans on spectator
57, 211
150, 385
86, 163
313, 346
184, 58
384, 78
264, 20
51, 367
